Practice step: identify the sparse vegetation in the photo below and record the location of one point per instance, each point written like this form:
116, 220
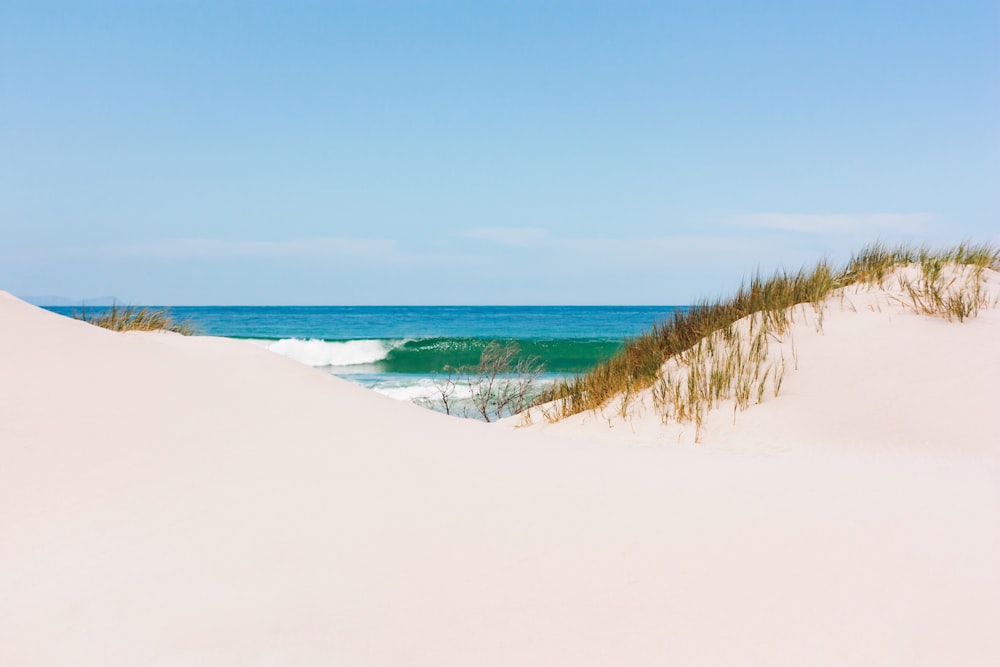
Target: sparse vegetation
135, 318
875, 262
500, 385
955, 294
722, 366
720, 350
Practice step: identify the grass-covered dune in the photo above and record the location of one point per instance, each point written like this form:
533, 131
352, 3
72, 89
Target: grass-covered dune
717, 349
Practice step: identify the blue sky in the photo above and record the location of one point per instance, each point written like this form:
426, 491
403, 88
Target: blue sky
482, 152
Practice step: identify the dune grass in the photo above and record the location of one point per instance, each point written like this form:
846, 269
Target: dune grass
136, 318
877, 261
700, 358
729, 364
954, 295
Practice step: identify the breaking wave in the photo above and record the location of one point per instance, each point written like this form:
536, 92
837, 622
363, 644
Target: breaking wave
321, 353
435, 355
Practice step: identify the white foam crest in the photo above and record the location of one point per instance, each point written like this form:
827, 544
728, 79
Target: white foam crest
316, 352
421, 390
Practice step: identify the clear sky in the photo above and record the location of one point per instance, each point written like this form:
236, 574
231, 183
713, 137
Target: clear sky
198, 152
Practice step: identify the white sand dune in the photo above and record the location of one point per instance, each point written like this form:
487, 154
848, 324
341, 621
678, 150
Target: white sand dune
197, 501
863, 373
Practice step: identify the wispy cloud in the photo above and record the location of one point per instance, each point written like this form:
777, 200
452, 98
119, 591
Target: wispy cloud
839, 223
209, 249
483, 265
703, 249
229, 249
610, 252
519, 237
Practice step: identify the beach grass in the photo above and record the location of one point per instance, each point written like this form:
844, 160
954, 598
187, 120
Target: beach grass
719, 350
136, 318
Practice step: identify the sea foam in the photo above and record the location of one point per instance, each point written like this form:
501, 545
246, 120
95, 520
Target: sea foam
321, 353
420, 390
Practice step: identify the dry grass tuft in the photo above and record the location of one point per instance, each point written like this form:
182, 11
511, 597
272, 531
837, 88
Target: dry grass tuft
135, 318
948, 290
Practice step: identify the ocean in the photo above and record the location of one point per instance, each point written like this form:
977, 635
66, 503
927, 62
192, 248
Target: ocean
404, 351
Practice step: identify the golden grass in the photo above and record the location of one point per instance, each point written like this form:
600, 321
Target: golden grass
700, 357
135, 318
954, 294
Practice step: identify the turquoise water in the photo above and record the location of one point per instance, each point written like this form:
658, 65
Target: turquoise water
400, 350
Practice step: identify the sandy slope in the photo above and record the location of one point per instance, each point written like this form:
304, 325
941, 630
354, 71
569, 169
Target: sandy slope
864, 373
177, 501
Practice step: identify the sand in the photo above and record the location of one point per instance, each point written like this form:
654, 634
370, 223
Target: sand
198, 501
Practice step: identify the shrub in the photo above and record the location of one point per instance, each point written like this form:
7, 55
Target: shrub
500, 385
